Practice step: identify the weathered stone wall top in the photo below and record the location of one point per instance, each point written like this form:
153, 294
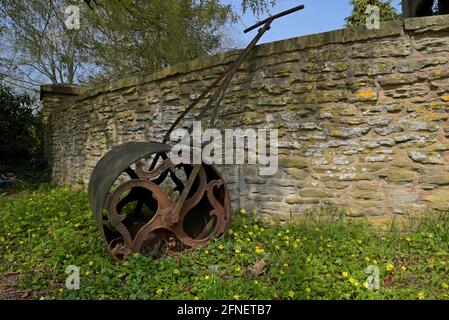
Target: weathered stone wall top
350, 34
362, 118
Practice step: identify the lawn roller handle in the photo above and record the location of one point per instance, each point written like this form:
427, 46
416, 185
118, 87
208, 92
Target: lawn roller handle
276, 16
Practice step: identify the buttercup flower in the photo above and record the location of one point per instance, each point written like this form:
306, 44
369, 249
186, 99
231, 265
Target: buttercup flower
259, 250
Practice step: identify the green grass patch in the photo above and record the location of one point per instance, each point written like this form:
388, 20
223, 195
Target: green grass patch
43, 230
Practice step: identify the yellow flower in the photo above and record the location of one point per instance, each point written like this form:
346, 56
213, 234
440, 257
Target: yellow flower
206, 278
287, 231
254, 211
445, 285
408, 239
291, 294
259, 250
282, 272
344, 274
176, 271
196, 298
359, 241
353, 282
236, 297
308, 290
285, 265
237, 250
421, 296
242, 211
238, 269
403, 268
367, 259
390, 267
221, 247
159, 291
91, 263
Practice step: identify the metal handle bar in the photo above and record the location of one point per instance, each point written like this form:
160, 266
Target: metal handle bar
276, 16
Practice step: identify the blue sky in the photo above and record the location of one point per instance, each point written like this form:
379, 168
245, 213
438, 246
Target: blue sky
318, 16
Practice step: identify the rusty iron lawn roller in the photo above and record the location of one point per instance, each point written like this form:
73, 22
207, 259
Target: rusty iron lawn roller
142, 201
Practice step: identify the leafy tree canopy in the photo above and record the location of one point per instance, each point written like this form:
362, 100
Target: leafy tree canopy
116, 37
359, 15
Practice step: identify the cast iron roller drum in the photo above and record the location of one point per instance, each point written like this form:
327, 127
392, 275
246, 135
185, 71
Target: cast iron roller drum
141, 212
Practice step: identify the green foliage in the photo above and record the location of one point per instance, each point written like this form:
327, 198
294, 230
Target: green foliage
130, 37
20, 128
115, 37
359, 15
38, 46
45, 230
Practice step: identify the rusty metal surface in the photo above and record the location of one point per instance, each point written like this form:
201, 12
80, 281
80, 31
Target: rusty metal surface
138, 214
111, 166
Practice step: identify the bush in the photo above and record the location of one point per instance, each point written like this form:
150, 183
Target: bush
20, 127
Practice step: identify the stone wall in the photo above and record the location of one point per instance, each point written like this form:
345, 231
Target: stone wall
362, 118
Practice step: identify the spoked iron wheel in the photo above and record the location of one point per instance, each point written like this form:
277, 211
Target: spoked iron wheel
141, 212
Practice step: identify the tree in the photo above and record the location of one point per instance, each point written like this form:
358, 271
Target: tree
116, 37
37, 46
359, 15
20, 126
127, 38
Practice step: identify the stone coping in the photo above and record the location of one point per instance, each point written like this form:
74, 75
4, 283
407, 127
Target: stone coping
61, 89
346, 35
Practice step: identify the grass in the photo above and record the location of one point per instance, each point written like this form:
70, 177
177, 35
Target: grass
43, 230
